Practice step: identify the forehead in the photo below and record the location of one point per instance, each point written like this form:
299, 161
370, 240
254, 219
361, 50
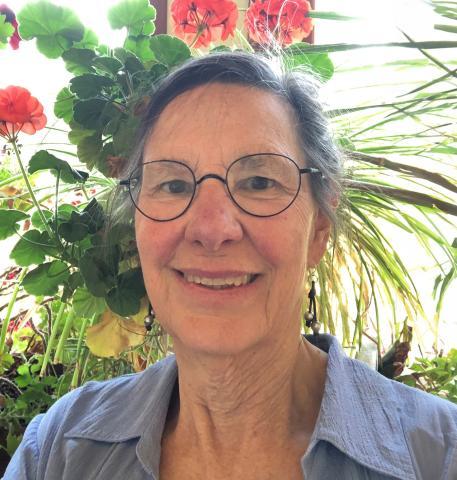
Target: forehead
223, 122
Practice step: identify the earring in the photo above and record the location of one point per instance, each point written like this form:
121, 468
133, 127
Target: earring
310, 316
149, 318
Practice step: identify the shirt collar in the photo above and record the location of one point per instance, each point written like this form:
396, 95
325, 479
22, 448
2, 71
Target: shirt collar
358, 414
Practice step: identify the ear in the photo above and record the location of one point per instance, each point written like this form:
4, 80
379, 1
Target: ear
319, 236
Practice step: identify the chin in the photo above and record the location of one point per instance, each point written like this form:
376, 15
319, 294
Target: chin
214, 336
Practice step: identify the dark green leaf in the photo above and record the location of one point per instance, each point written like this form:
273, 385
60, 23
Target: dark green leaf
170, 51
87, 112
63, 106
79, 60
89, 85
9, 222
77, 133
125, 298
98, 273
43, 160
90, 150
95, 216
122, 140
107, 64
46, 278
75, 229
55, 28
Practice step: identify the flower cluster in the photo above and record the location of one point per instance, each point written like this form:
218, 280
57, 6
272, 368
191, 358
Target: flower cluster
11, 18
199, 22
283, 21
19, 112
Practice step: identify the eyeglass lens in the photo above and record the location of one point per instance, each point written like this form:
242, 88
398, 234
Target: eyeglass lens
261, 185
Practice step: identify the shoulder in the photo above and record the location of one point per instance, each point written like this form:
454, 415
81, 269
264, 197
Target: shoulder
108, 411
95, 401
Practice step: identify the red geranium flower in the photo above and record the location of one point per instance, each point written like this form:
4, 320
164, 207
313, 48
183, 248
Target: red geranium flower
284, 21
199, 22
19, 112
11, 18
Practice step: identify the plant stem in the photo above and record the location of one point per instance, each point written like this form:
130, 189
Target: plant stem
11, 303
52, 337
64, 336
29, 188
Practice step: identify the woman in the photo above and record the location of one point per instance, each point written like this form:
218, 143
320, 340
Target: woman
235, 186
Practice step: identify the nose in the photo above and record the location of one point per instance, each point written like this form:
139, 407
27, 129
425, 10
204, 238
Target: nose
213, 217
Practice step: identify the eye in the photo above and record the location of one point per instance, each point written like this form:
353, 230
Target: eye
176, 187
257, 183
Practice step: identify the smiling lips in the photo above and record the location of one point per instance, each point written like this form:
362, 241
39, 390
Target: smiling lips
218, 280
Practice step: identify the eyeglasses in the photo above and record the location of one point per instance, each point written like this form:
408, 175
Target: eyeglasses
262, 185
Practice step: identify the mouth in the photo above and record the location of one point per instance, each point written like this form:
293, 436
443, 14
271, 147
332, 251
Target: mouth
227, 283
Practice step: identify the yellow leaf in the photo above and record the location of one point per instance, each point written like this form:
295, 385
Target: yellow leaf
113, 335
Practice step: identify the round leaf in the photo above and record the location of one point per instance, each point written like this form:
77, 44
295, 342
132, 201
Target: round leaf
46, 278
87, 112
30, 249
9, 222
133, 14
169, 50
89, 85
55, 28
43, 160
85, 304
79, 60
63, 106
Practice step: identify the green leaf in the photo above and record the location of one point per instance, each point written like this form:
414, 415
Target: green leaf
85, 304
122, 139
319, 63
89, 40
140, 46
135, 15
75, 229
46, 278
169, 50
43, 160
31, 249
37, 222
9, 222
447, 28
63, 106
78, 132
6, 30
98, 275
87, 112
95, 216
90, 150
55, 28
89, 85
107, 64
125, 298
79, 60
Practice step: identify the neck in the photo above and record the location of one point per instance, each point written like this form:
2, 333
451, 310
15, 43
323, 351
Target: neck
229, 404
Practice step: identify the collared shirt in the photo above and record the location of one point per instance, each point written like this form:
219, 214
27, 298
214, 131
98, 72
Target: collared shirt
368, 427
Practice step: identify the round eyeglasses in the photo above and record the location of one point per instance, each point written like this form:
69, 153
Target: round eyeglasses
262, 185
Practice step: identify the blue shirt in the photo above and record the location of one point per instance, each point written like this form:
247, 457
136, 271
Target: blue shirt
368, 427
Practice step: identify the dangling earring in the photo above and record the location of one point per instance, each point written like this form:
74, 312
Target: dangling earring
311, 315
149, 318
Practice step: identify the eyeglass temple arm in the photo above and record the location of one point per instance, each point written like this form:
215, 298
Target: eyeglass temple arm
312, 171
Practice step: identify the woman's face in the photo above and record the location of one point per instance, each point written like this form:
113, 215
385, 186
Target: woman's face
208, 128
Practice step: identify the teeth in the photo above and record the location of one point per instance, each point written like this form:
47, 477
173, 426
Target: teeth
218, 283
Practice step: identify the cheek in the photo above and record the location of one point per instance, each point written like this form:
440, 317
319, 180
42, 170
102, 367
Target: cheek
156, 244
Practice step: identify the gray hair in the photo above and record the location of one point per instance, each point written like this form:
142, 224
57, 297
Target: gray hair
299, 89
